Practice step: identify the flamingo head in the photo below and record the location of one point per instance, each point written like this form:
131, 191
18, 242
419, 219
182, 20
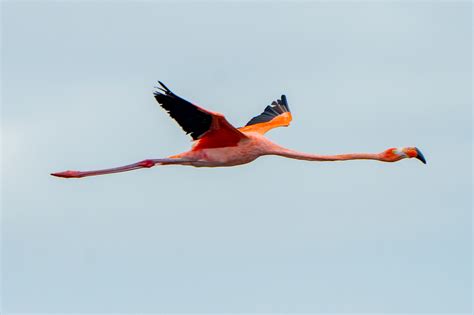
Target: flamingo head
396, 154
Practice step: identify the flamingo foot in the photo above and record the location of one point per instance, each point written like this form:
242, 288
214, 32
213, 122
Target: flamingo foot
68, 174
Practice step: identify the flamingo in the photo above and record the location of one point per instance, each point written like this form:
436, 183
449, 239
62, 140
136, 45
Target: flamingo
217, 143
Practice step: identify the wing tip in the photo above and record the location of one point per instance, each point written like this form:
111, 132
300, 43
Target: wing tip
278, 107
285, 102
159, 90
164, 86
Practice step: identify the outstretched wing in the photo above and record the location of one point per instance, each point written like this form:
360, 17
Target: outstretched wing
275, 115
197, 121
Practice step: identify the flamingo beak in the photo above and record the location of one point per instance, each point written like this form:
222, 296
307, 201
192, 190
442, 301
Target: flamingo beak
420, 156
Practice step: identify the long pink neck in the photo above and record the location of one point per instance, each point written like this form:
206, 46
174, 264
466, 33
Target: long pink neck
317, 157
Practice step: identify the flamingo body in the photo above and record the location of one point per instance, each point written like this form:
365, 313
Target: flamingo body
217, 143
245, 151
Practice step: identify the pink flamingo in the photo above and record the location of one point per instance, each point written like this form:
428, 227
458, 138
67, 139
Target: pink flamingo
218, 143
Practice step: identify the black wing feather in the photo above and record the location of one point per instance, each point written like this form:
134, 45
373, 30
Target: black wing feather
271, 111
191, 118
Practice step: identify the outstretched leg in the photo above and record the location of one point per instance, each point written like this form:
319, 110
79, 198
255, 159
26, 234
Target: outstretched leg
142, 164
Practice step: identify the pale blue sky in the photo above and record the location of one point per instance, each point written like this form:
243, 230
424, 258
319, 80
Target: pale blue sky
276, 235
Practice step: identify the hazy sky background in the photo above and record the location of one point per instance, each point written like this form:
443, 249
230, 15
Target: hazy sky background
277, 235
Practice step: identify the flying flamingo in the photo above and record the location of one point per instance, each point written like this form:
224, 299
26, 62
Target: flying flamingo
218, 143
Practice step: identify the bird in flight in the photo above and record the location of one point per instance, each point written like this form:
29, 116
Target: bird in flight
218, 143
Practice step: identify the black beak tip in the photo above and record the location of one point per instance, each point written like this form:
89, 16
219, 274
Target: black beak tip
420, 156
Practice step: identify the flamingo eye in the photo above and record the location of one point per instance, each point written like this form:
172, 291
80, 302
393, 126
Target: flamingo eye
411, 152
